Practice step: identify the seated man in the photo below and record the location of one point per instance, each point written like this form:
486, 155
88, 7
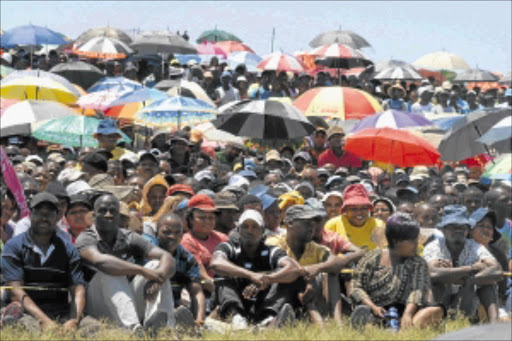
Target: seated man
314, 259
250, 268
40, 257
460, 267
117, 287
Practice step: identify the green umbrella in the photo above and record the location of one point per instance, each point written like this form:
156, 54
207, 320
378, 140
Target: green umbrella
75, 131
216, 35
5, 71
501, 169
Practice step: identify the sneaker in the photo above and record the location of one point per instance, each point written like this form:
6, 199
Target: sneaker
184, 318
361, 316
155, 322
11, 314
239, 322
286, 316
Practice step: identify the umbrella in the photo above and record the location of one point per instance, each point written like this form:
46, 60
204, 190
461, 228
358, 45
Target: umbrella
250, 60
393, 146
461, 141
281, 62
167, 84
339, 56
32, 35
190, 89
507, 79
37, 88
124, 111
501, 169
162, 42
398, 72
109, 32
499, 132
100, 100
446, 123
392, 119
42, 74
175, 112
216, 35
233, 46
5, 70
475, 75
210, 133
387, 63
103, 47
74, 131
263, 119
18, 118
210, 49
336, 101
115, 84
340, 37
6, 103
140, 95
81, 73
441, 60
432, 134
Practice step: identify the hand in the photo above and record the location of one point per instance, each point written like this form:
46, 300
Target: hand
47, 324
406, 321
306, 296
310, 272
379, 311
478, 266
260, 280
151, 290
444, 263
70, 325
152, 275
250, 291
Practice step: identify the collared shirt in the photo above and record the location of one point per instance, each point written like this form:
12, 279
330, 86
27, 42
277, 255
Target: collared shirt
472, 252
203, 249
347, 159
23, 226
313, 253
367, 237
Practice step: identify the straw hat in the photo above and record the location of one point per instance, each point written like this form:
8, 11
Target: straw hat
396, 86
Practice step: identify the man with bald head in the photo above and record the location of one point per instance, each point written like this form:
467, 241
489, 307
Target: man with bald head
426, 215
110, 256
472, 198
439, 201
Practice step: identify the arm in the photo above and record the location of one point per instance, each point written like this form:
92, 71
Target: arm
410, 310
353, 254
79, 298
489, 275
19, 295
222, 266
167, 265
110, 265
207, 282
441, 271
289, 272
198, 302
331, 265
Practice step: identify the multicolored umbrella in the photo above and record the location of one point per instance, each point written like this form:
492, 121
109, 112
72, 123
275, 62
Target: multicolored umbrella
210, 49
339, 56
441, 60
337, 102
475, 75
233, 46
501, 169
109, 32
37, 88
393, 146
81, 73
389, 63
104, 47
140, 95
115, 84
6, 103
190, 89
250, 60
175, 112
501, 131
124, 111
391, 119
100, 100
42, 74
398, 73
210, 133
340, 37
281, 62
216, 35
75, 131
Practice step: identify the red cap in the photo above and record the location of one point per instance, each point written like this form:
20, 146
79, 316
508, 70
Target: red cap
356, 195
208, 151
180, 188
477, 161
202, 202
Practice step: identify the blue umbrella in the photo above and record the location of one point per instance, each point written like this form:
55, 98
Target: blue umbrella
119, 84
392, 119
250, 60
447, 122
140, 95
32, 35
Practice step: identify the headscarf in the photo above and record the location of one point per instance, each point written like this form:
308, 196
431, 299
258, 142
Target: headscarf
157, 180
168, 206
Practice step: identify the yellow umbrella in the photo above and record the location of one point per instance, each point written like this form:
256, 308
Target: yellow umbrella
38, 88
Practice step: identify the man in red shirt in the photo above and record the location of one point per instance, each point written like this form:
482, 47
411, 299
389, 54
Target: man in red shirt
335, 153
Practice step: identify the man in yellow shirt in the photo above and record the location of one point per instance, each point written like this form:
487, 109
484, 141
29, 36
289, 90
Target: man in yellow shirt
107, 135
355, 222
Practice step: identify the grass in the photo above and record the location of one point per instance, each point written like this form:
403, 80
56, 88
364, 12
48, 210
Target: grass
301, 331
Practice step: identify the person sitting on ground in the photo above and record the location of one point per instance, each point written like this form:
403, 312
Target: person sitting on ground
131, 295
383, 208
153, 196
394, 277
78, 215
456, 260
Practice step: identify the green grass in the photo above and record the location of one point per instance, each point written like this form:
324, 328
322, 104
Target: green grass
302, 331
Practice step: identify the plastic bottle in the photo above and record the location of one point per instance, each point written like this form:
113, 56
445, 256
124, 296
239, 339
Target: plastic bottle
393, 320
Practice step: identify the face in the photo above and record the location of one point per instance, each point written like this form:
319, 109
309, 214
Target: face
8, 210
226, 218
147, 168
77, 217
165, 167
202, 223
426, 216
503, 204
357, 215
336, 140
439, 202
449, 179
272, 179
179, 148
406, 248
250, 233
43, 219
30, 189
106, 214
456, 234
225, 81
273, 164
472, 201
462, 177
381, 211
413, 97
475, 173
406, 207
156, 197
319, 139
332, 206
271, 217
303, 230
108, 141
170, 233
53, 169
299, 164
42, 177
483, 231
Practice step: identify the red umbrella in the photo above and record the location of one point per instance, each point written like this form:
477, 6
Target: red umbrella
233, 46
281, 62
209, 48
394, 146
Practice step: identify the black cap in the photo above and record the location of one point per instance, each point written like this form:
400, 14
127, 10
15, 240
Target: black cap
148, 155
57, 189
18, 159
102, 151
97, 161
79, 199
180, 135
44, 197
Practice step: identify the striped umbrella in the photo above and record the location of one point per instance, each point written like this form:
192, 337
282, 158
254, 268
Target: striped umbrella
339, 102
391, 119
42, 74
233, 46
38, 88
210, 49
475, 75
109, 32
100, 100
499, 132
339, 56
175, 112
190, 89
104, 47
124, 111
263, 119
500, 169
115, 84
281, 62
398, 72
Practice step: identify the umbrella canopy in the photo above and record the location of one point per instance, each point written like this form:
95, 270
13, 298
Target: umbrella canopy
162, 42
140, 95
5, 71
124, 111
392, 119
432, 134
100, 100
210, 133
192, 90
475, 75
281, 62
387, 63
37, 88
210, 49
18, 118
32, 35
6, 103
507, 79
109, 32
340, 37
393, 146
441, 60
263, 119
398, 72
501, 169
42, 74
175, 112
115, 84
339, 56
216, 35
250, 60
336, 101
229, 46
103, 47
501, 131
167, 84
81, 73
461, 141
74, 131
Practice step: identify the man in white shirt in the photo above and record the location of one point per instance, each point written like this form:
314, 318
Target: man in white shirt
424, 105
226, 93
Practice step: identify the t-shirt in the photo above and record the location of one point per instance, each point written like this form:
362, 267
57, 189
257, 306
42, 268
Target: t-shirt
438, 109
472, 252
118, 152
203, 249
227, 96
418, 108
313, 253
346, 160
368, 237
336, 243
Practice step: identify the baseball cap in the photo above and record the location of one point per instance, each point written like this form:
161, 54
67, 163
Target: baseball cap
336, 130
96, 160
107, 127
202, 202
44, 197
251, 215
304, 212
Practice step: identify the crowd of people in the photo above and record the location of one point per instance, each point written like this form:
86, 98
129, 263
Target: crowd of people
176, 233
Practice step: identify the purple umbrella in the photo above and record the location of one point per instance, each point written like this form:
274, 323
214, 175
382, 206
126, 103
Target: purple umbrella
392, 119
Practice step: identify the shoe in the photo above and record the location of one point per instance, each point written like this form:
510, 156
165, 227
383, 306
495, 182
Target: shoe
286, 316
155, 322
11, 314
184, 318
361, 316
239, 322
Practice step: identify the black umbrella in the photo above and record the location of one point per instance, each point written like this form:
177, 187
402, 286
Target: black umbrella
162, 42
475, 75
263, 119
387, 63
507, 79
340, 37
81, 73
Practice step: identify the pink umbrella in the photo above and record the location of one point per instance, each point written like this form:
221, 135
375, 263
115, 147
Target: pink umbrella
209, 48
233, 46
281, 62
99, 100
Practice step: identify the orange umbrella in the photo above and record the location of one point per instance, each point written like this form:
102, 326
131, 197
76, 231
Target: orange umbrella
393, 146
125, 111
233, 46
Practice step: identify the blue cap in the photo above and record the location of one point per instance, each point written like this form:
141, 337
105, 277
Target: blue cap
248, 174
332, 179
455, 214
107, 127
258, 190
182, 205
249, 164
226, 74
266, 200
508, 93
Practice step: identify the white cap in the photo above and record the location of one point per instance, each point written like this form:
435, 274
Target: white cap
132, 157
251, 215
69, 175
332, 193
204, 174
238, 181
34, 157
77, 187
